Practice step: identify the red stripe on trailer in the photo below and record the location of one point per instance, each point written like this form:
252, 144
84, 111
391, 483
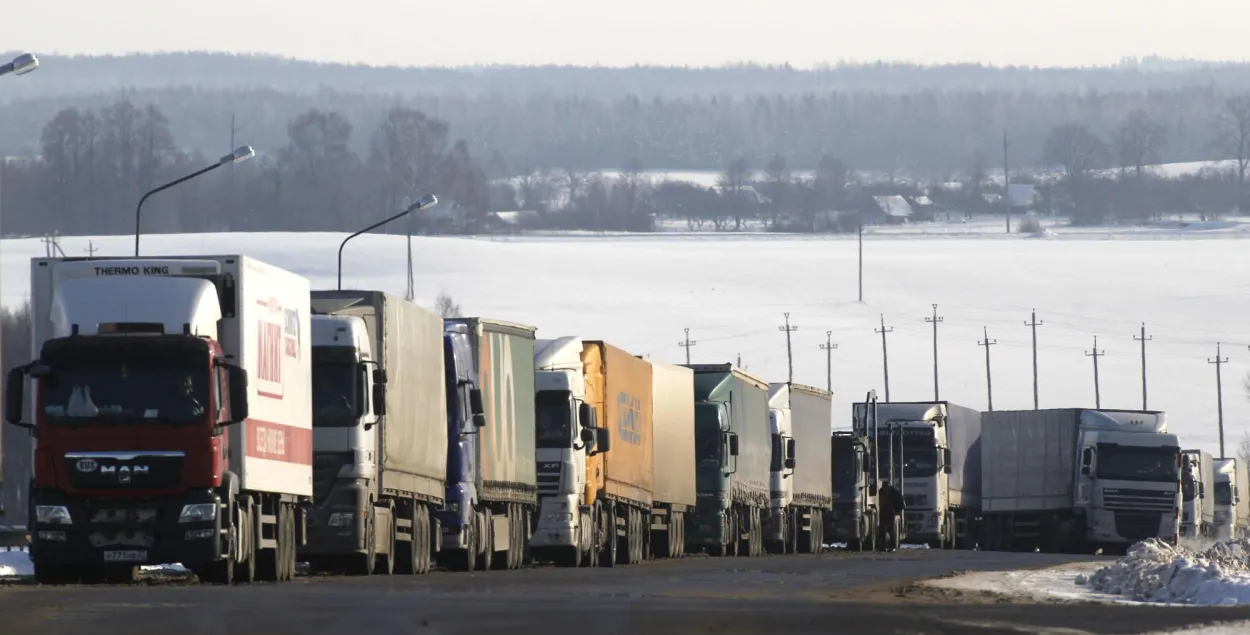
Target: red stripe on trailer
269, 395
279, 442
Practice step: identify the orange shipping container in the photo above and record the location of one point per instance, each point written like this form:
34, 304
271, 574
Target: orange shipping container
618, 387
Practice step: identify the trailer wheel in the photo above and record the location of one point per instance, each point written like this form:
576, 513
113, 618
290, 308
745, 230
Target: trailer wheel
607, 526
486, 538
245, 570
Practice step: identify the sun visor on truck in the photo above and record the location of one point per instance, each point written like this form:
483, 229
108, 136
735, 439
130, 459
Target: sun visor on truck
98, 306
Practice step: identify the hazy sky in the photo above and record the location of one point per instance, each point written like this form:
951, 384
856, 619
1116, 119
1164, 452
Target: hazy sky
693, 32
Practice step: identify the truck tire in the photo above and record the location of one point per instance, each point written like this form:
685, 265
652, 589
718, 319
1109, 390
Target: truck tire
288, 545
486, 538
384, 563
407, 553
466, 559
640, 536
246, 520
608, 548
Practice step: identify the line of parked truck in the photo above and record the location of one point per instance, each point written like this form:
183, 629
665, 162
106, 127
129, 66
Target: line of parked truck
218, 412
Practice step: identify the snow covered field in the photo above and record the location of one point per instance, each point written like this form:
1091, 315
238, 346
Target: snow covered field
1189, 286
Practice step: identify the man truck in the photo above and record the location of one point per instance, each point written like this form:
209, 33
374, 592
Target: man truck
1197, 495
595, 483
674, 495
931, 452
734, 451
1232, 506
379, 433
1075, 479
802, 483
172, 408
492, 491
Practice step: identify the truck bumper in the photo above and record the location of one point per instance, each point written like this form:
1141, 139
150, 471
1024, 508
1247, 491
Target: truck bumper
337, 525
1119, 526
922, 525
132, 532
558, 524
455, 526
845, 524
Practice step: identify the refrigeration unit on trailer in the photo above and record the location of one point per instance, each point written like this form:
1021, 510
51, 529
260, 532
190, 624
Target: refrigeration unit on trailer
931, 452
595, 483
492, 491
172, 406
802, 481
674, 496
1197, 494
1072, 479
733, 449
1232, 505
379, 433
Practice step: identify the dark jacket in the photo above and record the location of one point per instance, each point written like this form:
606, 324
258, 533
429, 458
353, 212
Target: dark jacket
891, 500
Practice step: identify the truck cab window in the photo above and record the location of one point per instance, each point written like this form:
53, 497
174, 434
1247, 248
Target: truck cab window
334, 394
554, 419
124, 383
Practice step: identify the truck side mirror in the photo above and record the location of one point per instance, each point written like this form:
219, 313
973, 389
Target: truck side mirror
586, 415
790, 451
379, 400
475, 403
13, 388
603, 440
588, 438
789, 464
238, 393
379, 375
733, 444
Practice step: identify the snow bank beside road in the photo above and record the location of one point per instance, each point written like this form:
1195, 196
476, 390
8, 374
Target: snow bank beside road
1154, 571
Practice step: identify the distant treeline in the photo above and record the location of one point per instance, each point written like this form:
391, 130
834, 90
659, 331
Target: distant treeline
895, 119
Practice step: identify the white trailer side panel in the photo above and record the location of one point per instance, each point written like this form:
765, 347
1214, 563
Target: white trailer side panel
811, 413
1243, 492
672, 398
963, 437
270, 337
1027, 459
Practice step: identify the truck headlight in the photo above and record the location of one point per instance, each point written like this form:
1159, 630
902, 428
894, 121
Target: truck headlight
340, 519
198, 513
452, 506
560, 517
52, 515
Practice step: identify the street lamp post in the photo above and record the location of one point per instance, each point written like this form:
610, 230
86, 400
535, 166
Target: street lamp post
426, 201
22, 64
240, 154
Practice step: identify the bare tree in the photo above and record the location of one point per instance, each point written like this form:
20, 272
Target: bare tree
1243, 448
1139, 140
732, 180
1078, 151
778, 183
446, 306
1232, 137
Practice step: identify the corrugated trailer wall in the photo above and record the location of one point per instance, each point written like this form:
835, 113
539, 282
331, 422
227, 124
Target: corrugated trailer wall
811, 411
672, 398
628, 406
506, 364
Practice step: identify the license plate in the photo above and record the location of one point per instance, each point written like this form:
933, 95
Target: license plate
125, 556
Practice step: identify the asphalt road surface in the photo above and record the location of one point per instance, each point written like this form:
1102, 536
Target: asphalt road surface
871, 594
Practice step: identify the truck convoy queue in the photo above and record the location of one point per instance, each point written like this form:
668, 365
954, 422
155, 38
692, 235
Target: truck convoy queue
217, 412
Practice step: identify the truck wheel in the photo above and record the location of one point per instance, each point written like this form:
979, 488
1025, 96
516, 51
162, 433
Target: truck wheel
245, 520
407, 560
292, 554
818, 528
505, 563
362, 564
486, 537
641, 532
384, 563
608, 549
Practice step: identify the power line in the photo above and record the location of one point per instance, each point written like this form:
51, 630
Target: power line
935, 320
686, 345
789, 352
1219, 393
885, 355
1096, 354
989, 384
829, 347
1034, 324
1143, 339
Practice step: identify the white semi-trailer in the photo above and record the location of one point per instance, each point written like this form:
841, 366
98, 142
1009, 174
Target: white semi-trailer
1232, 505
1197, 495
802, 468
1073, 479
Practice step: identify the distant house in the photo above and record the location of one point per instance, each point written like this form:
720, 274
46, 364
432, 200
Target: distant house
889, 209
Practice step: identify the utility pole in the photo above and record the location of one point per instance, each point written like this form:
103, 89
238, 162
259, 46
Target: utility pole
885, 355
1007, 187
935, 320
1143, 339
740, 361
989, 384
829, 347
91, 249
789, 355
1219, 392
861, 259
1096, 354
1034, 323
687, 344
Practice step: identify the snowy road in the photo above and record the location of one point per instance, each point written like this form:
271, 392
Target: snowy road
834, 593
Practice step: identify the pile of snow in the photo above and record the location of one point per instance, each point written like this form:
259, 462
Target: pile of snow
15, 564
1154, 571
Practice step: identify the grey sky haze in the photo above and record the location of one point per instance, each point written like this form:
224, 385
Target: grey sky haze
669, 32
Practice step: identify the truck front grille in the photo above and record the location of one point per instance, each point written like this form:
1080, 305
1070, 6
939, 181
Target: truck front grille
1138, 525
326, 466
124, 470
1139, 500
548, 478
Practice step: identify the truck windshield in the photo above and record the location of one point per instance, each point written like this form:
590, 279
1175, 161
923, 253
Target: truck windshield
1127, 463
845, 472
1223, 494
124, 382
553, 419
918, 461
334, 398
707, 436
